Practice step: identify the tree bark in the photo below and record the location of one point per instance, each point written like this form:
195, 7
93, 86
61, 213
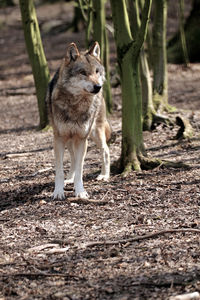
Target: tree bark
36, 56
128, 52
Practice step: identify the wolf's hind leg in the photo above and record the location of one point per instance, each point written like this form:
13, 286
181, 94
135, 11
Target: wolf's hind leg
59, 147
70, 175
99, 138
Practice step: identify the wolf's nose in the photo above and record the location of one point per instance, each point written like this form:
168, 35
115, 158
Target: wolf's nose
97, 88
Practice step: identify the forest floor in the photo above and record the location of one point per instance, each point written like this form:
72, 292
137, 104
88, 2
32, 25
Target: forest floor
46, 246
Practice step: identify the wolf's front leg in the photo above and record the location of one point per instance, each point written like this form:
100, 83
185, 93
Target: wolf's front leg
59, 147
80, 148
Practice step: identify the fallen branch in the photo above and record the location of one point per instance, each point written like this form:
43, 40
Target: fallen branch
40, 274
189, 296
185, 131
139, 238
152, 163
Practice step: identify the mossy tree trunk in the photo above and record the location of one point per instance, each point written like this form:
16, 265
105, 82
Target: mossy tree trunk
160, 78
128, 51
192, 34
36, 56
100, 35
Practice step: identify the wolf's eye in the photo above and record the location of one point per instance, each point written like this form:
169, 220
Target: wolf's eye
97, 70
82, 72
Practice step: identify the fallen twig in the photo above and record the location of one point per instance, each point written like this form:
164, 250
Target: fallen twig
41, 171
142, 237
57, 250
15, 155
42, 247
87, 201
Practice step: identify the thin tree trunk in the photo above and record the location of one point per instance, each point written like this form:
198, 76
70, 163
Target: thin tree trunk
100, 35
128, 58
36, 56
147, 101
87, 14
160, 79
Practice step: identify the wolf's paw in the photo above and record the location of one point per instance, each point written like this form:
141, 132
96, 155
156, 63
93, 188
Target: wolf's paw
58, 195
103, 177
82, 195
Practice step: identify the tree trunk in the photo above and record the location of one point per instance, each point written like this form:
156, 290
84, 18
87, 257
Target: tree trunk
160, 80
36, 56
128, 59
192, 34
100, 35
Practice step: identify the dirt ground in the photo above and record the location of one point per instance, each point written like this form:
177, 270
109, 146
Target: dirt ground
46, 246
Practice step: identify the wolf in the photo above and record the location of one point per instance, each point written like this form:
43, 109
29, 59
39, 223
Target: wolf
77, 111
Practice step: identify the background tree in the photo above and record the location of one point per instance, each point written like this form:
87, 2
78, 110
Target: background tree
36, 56
86, 10
160, 79
128, 51
192, 34
150, 116
182, 32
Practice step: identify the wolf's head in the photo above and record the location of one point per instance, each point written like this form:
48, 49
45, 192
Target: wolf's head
82, 73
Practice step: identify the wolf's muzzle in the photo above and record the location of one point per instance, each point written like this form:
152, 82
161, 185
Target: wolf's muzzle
96, 88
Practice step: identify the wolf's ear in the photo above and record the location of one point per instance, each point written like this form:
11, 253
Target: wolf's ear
95, 50
72, 53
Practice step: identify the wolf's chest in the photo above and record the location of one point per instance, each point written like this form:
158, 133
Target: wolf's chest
74, 128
